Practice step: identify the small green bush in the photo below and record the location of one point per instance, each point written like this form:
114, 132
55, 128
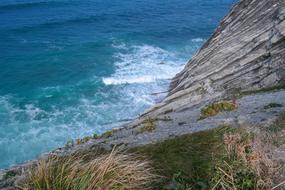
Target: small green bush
95, 136
107, 134
148, 125
216, 108
83, 140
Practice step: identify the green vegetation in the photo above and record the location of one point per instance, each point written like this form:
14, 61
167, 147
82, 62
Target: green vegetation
95, 136
234, 171
107, 134
273, 105
216, 108
83, 140
222, 158
148, 125
115, 171
188, 158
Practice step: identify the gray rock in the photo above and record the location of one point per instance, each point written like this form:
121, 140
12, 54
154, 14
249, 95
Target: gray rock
246, 52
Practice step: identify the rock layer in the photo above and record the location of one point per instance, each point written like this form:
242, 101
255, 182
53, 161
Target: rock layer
246, 52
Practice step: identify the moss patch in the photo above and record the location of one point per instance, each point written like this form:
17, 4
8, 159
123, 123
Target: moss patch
216, 108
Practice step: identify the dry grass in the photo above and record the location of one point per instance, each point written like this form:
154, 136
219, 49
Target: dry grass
109, 171
248, 164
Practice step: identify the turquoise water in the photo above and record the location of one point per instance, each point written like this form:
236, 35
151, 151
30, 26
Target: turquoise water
74, 68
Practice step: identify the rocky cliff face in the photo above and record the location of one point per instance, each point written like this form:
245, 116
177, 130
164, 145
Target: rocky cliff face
246, 52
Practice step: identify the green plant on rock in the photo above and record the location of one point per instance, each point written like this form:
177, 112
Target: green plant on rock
107, 134
216, 108
148, 125
83, 140
95, 136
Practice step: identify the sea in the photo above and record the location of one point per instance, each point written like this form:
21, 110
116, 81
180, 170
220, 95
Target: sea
73, 68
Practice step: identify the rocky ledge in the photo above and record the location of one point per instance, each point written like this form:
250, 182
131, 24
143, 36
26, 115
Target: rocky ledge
243, 63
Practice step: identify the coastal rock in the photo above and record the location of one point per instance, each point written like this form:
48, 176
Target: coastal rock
246, 52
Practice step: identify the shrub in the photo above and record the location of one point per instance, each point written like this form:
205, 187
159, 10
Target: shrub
109, 171
148, 125
107, 134
83, 140
216, 108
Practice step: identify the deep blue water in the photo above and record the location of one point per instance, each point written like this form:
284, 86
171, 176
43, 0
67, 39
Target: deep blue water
74, 68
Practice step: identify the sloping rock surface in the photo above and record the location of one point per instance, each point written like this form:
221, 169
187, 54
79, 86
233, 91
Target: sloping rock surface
246, 52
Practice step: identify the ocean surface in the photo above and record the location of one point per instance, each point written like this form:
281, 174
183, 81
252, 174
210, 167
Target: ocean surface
71, 68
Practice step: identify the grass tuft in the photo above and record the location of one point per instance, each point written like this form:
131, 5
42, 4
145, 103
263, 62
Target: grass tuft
115, 170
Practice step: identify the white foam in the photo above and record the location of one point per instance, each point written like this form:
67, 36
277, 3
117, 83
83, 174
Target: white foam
197, 40
144, 64
119, 45
141, 79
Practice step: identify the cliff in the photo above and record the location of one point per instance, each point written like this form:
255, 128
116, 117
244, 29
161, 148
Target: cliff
242, 65
246, 52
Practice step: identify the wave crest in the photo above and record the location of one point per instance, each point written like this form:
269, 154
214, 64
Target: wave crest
144, 64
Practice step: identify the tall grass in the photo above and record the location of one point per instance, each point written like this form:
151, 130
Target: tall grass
114, 171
